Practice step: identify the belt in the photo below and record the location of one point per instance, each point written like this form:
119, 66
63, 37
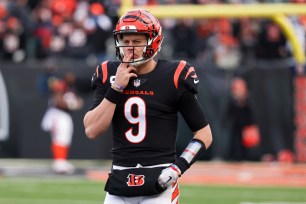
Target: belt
115, 167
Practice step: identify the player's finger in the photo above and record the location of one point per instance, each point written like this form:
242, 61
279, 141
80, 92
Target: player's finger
131, 69
127, 58
132, 74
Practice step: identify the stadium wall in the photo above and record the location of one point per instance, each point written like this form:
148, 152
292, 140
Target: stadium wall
271, 86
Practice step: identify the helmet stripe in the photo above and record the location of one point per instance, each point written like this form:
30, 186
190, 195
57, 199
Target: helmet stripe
137, 18
149, 19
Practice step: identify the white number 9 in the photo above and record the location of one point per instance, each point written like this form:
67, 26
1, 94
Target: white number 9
140, 119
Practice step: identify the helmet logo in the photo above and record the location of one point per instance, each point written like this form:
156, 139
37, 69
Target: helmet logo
128, 27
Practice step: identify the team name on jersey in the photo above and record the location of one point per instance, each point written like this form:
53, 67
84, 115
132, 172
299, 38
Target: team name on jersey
138, 92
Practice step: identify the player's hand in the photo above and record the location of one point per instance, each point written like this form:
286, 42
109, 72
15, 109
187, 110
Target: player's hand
168, 176
125, 72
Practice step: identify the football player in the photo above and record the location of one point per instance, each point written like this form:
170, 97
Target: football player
141, 98
58, 122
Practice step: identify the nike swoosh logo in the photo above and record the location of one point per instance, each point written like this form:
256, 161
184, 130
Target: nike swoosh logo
170, 177
195, 81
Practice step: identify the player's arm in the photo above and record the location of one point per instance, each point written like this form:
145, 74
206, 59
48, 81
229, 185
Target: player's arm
98, 120
191, 108
194, 115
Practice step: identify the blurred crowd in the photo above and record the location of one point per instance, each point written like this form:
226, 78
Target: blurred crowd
38, 29
46, 28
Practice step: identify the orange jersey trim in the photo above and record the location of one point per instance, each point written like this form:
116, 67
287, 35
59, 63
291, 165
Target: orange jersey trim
177, 73
191, 69
104, 71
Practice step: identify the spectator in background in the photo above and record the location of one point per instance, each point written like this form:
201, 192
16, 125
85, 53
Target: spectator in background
58, 122
205, 29
43, 30
276, 94
271, 43
99, 28
15, 28
243, 131
226, 52
246, 31
219, 44
185, 39
55, 28
13, 40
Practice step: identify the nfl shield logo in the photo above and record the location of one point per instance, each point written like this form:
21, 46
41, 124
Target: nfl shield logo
137, 82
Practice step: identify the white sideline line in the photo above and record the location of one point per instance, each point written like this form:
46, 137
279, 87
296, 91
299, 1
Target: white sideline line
274, 202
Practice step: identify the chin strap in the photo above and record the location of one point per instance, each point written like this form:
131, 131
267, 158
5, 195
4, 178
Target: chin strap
190, 154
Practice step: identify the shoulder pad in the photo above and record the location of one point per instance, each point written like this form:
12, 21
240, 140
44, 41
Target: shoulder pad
100, 75
185, 77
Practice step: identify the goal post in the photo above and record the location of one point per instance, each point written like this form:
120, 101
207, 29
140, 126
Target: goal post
278, 12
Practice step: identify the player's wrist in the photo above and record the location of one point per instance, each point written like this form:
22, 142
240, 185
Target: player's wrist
176, 168
117, 87
181, 164
190, 154
113, 96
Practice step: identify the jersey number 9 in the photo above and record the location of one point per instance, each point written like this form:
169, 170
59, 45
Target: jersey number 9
139, 119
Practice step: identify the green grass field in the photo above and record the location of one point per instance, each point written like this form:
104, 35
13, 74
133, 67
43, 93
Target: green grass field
75, 190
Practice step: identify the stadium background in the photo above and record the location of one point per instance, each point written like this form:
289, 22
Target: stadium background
34, 44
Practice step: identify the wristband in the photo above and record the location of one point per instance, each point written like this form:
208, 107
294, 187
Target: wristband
118, 87
192, 150
189, 156
113, 96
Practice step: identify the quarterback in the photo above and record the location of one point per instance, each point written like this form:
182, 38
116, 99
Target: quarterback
140, 97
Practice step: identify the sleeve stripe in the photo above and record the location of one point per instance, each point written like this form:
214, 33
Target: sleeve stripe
191, 69
104, 71
178, 71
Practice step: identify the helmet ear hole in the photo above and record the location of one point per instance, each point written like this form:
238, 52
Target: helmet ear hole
149, 53
154, 34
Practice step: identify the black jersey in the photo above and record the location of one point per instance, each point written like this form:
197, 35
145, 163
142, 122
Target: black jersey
145, 120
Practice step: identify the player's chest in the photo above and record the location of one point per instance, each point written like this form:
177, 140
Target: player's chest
150, 95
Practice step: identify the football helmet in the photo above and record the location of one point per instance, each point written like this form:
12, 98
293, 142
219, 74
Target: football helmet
139, 21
